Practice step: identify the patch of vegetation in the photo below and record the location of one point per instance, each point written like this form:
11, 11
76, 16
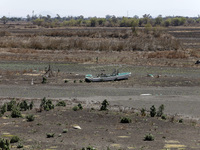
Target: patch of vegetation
163, 117
14, 139
75, 108
4, 144
143, 112
149, 137
31, 105
180, 121
30, 118
50, 135
11, 104
89, 148
3, 108
125, 120
80, 106
16, 112
160, 110
104, 105
20, 145
152, 111
65, 130
61, 103
46, 104
23, 106
44, 80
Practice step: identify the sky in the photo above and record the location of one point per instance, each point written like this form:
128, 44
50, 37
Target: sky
100, 8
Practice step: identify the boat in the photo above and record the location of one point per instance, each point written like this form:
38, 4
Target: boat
107, 77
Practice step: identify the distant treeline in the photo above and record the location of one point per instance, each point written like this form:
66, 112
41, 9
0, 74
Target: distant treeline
108, 21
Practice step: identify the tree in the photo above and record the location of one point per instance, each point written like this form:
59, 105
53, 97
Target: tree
93, 22
4, 19
158, 20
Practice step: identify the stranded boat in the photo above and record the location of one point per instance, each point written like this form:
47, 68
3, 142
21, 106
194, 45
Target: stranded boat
107, 77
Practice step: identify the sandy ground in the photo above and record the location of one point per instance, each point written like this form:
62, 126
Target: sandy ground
177, 100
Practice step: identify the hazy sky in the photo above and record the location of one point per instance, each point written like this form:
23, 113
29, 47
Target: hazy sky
100, 8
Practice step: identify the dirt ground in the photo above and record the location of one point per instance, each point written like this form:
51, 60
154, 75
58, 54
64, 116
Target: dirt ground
173, 82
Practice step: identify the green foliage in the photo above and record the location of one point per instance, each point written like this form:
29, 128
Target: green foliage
46, 104
31, 105
149, 137
80, 106
11, 104
163, 117
15, 113
65, 130
61, 103
104, 105
75, 108
20, 145
44, 80
125, 120
4, 108
160, 110
89, 148
14, 139
152, 111
180, 121
30, 118
24, 106
50, 135
143, 112
4, 144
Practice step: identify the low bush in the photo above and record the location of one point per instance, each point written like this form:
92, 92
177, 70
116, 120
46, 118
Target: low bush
50, 135
46, 104
149, 137
14, 139
125, 120
65, 130
75, 108
104, 105
80, 106
152, 111
16, 112
3, 108
160, 110
11, 104
61, 103
20, 145
89, 148
4, 144
143, 112
30, 118
24, 106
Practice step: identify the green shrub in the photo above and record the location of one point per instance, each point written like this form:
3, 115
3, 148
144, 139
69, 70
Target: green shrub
24, 106
14, 139
80, 106
180, 121
30, 118
20, 145
31, 105
4, 108
104, 105
44, 80
143, 112
61, 103
164, 117
65, 130
89, 148
160, 110
152, 111
4, 144
16, 112
66, 81
125, 120
11, 104
149, 137
75, 108
46, 104
50, 135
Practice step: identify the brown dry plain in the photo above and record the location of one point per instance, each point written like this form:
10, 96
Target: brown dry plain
175, 83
